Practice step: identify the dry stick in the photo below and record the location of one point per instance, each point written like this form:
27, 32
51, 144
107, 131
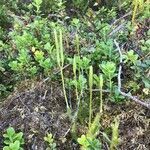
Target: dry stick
147, 55
119, 27
119, 19
119, 82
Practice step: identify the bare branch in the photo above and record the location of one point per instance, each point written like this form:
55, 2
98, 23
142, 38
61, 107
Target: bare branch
119, 82
119, 19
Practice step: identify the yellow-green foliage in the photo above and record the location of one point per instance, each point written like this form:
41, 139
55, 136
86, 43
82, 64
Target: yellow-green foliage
94, 128
60, 61
115, 134
137, 7
90, 87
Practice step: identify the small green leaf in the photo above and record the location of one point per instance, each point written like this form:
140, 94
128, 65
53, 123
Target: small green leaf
14, 65
48, 47
10, 132
83, 141
18, 136
39, 55
15, 145
6, 148
7, 142
5, 136
108, 68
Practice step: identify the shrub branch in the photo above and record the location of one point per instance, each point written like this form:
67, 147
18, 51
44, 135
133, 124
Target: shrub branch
141, 102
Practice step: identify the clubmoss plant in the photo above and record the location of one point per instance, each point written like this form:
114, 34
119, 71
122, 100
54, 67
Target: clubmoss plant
101, 92
60, 61
75, 76
73, 130
138, 5
90, 141
81, 65
115, 134
93, 131
90, 90
77, 43
98, 81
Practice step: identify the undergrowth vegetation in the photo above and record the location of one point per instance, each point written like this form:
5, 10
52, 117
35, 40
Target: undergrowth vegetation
83, 46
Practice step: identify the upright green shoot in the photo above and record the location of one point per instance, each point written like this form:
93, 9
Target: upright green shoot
90, 89
77, 44
60, 61
37, 4
115, 134
74, 127
101, 88
61, 48
75, 76
137, 7
110, 85
57, 48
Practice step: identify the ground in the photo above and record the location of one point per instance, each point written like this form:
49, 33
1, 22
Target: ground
39, 108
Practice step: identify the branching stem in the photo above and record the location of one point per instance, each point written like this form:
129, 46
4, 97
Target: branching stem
141, 102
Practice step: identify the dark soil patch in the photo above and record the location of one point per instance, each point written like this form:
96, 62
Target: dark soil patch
35, 112
134, 128
40, 108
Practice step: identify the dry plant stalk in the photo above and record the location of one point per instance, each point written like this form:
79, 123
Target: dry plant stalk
141, 102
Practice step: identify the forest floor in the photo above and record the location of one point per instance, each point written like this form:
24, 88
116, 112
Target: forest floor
39, 108
51, 54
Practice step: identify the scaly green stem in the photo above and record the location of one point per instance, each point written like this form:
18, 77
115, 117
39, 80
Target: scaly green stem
90, 114
75, 76
101, 87
90, 87
110, 85
101, 101
134, 11
60, 61
77, 94
63, 84
77, 44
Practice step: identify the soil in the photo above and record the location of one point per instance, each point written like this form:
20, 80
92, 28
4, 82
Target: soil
40, 108
134, 127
